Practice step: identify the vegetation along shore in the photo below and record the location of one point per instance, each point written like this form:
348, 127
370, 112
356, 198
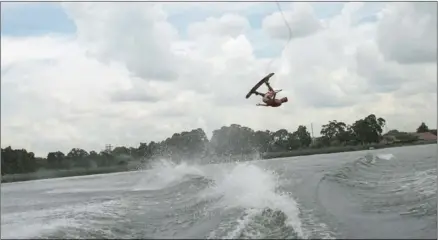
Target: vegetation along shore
229, 143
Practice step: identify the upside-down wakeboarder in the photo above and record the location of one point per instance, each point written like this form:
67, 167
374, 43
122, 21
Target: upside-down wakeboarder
269, 97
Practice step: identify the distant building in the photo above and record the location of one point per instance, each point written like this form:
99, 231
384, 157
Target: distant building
426, 136
395, 136
388, 139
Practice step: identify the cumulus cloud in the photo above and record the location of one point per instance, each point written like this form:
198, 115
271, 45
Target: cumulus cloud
227, 25
407, 32
136, 34
301, 20
128, 75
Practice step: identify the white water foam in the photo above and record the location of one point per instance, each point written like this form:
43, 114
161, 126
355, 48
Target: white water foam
253, 189
422, 182
31, 224
165, 173
387, 156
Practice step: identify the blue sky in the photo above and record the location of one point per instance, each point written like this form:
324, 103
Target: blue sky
46, 75
39, 18
34, 19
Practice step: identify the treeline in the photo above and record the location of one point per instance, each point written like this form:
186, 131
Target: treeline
226, 141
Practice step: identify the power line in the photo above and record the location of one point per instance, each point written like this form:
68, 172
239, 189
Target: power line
108, 148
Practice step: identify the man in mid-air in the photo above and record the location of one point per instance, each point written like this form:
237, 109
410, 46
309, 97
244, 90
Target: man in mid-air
269, 97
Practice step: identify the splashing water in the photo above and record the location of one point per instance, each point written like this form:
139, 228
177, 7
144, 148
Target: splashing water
387, 156
165, 173
251, 188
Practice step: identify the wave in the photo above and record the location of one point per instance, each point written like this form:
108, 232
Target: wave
356, 173
234, 200
384, 183
243, 199
58, 222
164, 173
255, 192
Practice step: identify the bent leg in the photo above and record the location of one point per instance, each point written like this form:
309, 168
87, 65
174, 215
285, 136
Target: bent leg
269, 86
257, 93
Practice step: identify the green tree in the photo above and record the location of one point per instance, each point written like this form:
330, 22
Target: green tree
94, 159
143, 151
186, 144
9, 161
78, 158
17, 161
105, 159
55, 160
369, 129
196, 141
422, 128
93, 155
392, 132
234, 139
282, 140
228, 140
330, 130
119, 151
303, 136
336, 131
262, 141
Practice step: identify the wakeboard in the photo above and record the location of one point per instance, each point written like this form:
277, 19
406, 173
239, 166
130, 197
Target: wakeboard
260, 83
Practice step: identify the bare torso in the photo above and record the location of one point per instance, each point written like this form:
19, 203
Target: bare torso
274, 103
269, 99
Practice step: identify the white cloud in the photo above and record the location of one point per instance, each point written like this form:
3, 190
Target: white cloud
136, 34
128, 76
407, 32
301, 20
227, 25
215, 8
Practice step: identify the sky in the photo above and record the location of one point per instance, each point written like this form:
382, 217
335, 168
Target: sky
88, 74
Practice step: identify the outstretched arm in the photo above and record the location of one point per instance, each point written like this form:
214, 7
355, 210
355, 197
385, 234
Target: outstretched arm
275, 93
263, 105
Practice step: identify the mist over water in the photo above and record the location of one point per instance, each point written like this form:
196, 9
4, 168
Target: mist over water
388, 193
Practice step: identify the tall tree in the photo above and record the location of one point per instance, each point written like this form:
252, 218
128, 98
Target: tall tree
119, 151
78, 157
55, 159
187, 144
335, 130
17, 161
234, 139
282, 140
422, 128
303, 136
262, 141
369, 129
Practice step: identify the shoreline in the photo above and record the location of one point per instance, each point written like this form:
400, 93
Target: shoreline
48, 174
328, 150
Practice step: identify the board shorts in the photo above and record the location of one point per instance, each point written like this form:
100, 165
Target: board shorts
268, 97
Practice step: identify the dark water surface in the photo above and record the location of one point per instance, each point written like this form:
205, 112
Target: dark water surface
387, 193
